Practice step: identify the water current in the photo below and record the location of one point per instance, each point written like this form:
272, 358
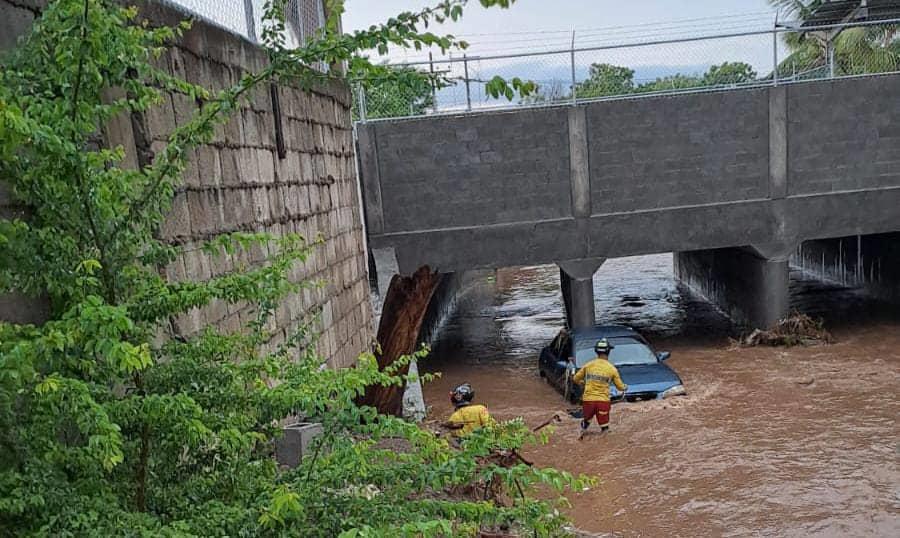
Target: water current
768, 442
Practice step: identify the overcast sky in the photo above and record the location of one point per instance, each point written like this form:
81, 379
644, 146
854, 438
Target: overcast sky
534, 25
543, 23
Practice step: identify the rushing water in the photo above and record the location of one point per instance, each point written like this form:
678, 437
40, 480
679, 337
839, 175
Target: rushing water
768, 442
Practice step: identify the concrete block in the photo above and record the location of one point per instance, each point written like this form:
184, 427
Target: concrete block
306, 167
261, 209
175, 272
15, 22
190, 323
266, 161
209, 166
178, 221
204, 211
196, 265
191, 174
216, 311
276, 201
248, 166
234, 131
230, 166
184, 108
251, 126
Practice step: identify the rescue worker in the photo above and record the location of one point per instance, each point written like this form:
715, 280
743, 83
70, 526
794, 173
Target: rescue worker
596, 377
467, 416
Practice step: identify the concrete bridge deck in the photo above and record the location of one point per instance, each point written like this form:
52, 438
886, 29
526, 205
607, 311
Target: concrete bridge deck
758, 169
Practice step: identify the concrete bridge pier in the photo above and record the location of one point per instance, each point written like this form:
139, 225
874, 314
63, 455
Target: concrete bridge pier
750, 284
577, 286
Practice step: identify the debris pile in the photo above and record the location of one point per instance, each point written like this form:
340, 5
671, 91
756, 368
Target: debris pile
796, 330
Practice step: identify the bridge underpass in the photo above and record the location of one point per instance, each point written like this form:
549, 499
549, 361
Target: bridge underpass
732, 181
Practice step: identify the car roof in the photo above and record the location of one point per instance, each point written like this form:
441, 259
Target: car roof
597, 332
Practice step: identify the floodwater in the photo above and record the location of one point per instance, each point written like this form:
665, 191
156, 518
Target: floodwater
768, 441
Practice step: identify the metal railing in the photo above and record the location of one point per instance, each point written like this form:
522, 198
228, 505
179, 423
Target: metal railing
785, 53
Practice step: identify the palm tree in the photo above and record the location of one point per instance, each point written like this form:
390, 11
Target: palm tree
865, 49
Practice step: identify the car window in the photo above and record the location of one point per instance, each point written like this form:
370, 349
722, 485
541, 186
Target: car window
625, 351
554, 344
632, 353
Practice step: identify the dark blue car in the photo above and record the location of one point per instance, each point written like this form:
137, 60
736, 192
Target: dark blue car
642, 370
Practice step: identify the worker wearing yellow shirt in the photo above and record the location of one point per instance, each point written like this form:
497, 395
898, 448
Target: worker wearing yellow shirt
467, 416
596, 377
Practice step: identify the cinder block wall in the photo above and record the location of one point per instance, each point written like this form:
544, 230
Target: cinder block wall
239, 182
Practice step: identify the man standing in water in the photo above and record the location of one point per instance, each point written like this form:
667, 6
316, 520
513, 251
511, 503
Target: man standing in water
467, 416
596, 377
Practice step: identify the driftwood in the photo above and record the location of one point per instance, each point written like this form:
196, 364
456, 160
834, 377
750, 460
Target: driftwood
795, 330
557, 417
405, 304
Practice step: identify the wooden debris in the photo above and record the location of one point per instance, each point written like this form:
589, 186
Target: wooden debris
796, 330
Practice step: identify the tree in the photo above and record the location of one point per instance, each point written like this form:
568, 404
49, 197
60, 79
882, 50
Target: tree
729, 73
872, 49
671, 82
552, 91
609, 80
105, 430
605, 79
393, 92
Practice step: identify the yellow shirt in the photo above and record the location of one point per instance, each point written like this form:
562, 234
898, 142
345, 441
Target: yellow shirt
471, 417
596, 377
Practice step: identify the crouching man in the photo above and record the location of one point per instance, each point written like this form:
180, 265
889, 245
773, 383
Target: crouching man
467, 416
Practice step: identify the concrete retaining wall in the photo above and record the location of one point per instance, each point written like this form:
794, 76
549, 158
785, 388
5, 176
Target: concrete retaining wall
626, 177
239, 182
694, 149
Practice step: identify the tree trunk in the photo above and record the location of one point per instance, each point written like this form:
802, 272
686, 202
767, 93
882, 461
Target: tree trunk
405, 304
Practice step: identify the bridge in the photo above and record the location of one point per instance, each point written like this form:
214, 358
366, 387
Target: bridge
731, 181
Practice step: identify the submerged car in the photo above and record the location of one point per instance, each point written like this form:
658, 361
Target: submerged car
642, 370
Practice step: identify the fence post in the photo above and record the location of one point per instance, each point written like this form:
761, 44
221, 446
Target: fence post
250, 20
775, 51
433, 85
361, 98
468, 90
829, 55
572, 61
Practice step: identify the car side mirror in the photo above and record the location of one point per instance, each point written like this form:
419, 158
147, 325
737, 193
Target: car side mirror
663, 355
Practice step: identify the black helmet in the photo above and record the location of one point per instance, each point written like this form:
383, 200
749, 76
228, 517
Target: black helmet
462, 394
603, 347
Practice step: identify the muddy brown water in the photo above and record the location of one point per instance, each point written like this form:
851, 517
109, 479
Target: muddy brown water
768, 441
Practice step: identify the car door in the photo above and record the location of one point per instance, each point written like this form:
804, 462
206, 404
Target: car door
546, 360
562, 363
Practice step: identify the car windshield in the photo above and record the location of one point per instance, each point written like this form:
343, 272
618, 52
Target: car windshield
625, 351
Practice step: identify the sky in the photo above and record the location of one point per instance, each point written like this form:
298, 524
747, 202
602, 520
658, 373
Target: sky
548, 21
541, 25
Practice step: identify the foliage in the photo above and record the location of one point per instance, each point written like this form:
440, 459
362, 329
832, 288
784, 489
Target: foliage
110, 425
609, 80
392, 92
671, 82
857, 50
729, 73
548, 92
606, 79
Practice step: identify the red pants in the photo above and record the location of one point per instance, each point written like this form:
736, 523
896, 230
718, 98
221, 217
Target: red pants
598, 409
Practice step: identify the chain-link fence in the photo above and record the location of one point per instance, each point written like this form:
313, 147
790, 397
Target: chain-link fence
245, 17
780, 55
